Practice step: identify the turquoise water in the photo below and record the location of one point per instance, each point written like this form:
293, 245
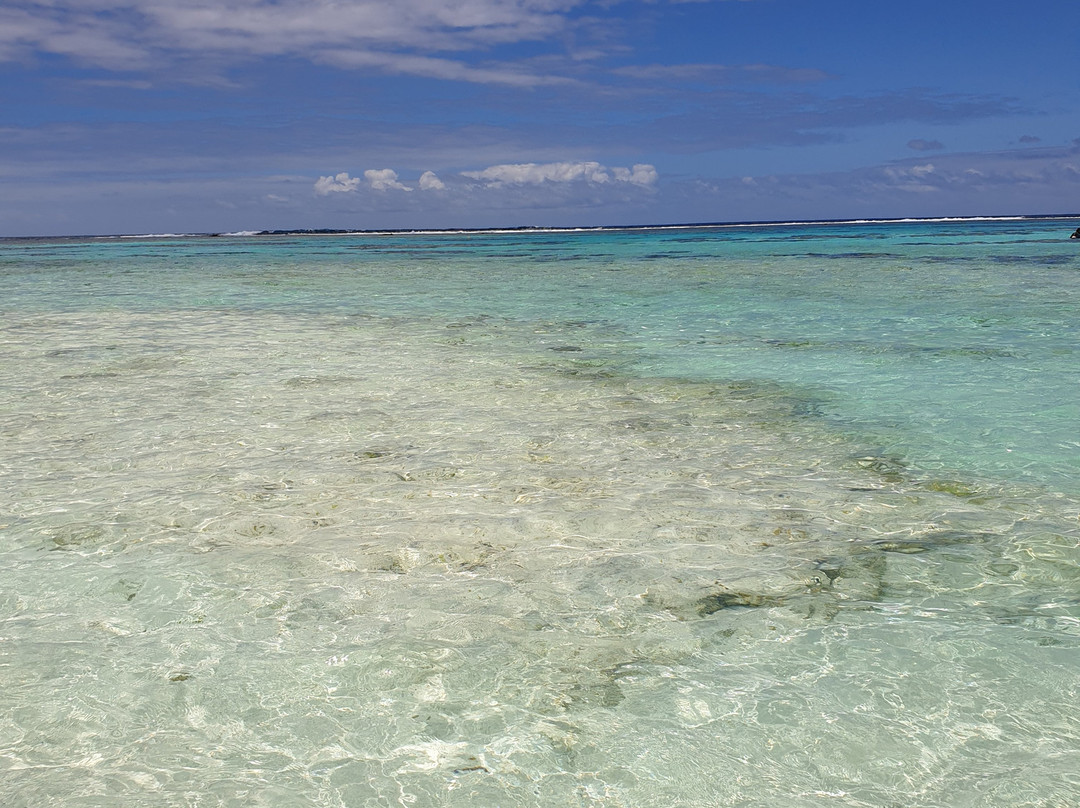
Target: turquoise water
781, 515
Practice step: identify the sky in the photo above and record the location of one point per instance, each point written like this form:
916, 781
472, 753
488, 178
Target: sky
183, 116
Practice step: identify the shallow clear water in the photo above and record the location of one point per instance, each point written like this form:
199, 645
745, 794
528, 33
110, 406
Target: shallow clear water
735, 517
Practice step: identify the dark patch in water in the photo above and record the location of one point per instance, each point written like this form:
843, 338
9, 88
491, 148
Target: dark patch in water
596, 374
853, 255
645, 423
780, 343
1041, 260
954, 487
313, 381
932, 541
73, 536
99, 374
713, 603
381, 452
905, 547
831, 568
892, 469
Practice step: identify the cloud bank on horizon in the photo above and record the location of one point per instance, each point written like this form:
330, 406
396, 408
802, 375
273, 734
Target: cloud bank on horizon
153, 115
383, 179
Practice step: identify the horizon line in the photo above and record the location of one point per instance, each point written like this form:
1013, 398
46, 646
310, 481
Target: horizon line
553, 228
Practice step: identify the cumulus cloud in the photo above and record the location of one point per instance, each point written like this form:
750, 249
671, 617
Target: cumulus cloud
1030, 139
429, 181
565, 172
640, 174
535, 174
384, 179
337, 184
510, 174
925, 145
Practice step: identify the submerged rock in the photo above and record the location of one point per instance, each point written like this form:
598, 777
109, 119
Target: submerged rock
710, 604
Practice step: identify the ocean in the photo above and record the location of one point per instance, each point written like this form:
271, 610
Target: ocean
759, 516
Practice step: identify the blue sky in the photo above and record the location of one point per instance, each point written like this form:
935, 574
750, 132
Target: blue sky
137, 116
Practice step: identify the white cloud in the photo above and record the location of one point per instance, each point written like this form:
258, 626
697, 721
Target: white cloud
565, 172
398, 36
384, 179
550, 175
641, 174
380, 179
535, 174
339, 183
430, 182
439, 68
911, 178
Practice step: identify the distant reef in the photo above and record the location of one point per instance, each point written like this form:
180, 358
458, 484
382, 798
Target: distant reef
330, 231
